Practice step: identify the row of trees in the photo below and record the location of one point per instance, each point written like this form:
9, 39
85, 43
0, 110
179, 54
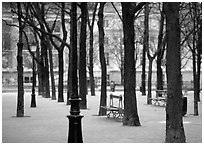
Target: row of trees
190, 23
36, 16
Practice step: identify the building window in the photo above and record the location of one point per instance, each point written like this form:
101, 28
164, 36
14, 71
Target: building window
26, 79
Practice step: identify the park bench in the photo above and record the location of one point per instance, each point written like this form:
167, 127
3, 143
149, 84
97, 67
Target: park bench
115, 106
160, 98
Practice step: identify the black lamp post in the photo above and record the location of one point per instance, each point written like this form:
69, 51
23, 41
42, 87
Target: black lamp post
33, 101
75, 131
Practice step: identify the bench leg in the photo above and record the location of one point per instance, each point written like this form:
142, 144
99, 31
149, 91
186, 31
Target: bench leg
108, 114
114, 114
120, 115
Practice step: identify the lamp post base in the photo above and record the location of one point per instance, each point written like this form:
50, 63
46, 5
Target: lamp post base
33, 102
75, 131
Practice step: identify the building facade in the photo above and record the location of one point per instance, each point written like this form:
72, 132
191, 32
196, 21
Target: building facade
114, 48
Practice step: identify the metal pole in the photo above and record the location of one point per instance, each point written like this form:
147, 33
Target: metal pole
75, 131
33, 102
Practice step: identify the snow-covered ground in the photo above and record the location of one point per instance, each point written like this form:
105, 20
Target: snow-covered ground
48, 122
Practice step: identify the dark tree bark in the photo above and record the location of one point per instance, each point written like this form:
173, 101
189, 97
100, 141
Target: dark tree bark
39, 9
91, 74
145, 47
160, 49
60, 50
131, 117
39, 72
199, 57
47, 74
174, 121
73, 28
195, 45
61, 74
74, 56
195, 84
61, 59
20, 100
160, 53
102, 61
45, 67
194, 61
149, 84
41, 77
196, 53
82, 57
38, 57
122, 64
51, 72
69, 87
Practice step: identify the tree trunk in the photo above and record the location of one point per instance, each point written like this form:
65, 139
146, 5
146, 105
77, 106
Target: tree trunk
51, 72
102, 61
149, 94
74, 56
69, 87
46, 66
160, 53
47, 76
131, 117
39, 71
122, 72
20, 100
91, 74
199, 58
159, 75
145, 47
122, 60
44, 55
82, 61
42, 76
174, 121
195, 84
61, 74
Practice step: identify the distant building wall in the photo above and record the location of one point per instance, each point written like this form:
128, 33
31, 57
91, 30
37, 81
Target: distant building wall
187, 76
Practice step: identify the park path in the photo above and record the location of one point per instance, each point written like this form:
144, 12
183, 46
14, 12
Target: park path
48, 122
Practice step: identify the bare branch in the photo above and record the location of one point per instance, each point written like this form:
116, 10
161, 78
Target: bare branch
138, 7
117, 11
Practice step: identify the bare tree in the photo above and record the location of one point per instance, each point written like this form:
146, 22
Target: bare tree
145, 48
60, 49
82, 57
102, 111
131, 117
174, 121
20, 101
161, 50
92, 6
195, 45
